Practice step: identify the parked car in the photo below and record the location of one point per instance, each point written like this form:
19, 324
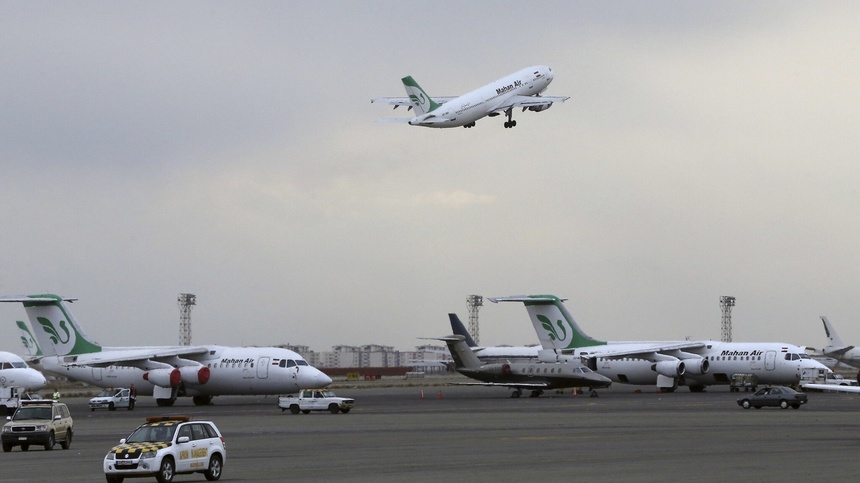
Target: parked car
315, 400
776, 396
38, 421
111, 399
166, 446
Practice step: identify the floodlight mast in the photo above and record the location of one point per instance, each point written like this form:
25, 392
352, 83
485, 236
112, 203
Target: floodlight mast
726, 304
475, 302
186, 302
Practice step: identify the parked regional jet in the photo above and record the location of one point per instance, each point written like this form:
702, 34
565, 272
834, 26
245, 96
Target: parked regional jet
696, 364
164, 372
836, 349
520, 89
14, 372
518, 375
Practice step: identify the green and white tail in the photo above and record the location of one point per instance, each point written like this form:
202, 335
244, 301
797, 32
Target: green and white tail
554, 325
55, 329
31, 347
421, 102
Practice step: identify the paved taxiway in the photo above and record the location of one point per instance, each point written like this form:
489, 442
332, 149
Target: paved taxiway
476, 434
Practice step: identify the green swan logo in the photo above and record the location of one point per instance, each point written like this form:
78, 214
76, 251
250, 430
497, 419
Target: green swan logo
420, 100
55, 336
553, 333
26, 343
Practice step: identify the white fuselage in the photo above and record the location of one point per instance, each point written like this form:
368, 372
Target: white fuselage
850, 357
480, 102
14, 372
232, 371
772, 363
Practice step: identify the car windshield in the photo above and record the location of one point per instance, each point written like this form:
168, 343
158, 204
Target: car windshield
152, 434
43, 412
107, 393
327, 394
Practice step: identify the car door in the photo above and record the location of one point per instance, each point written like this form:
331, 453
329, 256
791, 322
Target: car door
201, 446
184, 458
122, 398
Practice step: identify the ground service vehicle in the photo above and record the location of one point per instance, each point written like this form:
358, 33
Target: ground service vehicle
315, 400
39, 421
111, 399
166, 446
747, 382
776, 396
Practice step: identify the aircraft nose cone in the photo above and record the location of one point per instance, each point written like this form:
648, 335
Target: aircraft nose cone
320, 380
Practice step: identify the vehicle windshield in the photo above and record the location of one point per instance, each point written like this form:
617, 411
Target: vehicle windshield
107, 393
152, 434
328, 394
42, 412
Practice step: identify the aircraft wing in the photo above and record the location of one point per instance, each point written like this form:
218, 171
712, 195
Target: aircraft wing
405, 101
536, 103
647, 352
832, 387
512, 385
133, 357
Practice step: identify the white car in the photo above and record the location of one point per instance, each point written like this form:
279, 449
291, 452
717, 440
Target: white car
111, 399
315, 400
167, 446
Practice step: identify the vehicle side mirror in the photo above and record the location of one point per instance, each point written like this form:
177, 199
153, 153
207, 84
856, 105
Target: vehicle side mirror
57, 417
122, 441
183, 439
8, 418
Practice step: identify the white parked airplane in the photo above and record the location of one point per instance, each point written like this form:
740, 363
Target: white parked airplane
836, 349
14, 372
520, 89
164, 372
696, 364
533, 374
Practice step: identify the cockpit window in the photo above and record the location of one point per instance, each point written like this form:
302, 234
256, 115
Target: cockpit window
283, 363
291, 363
302, 362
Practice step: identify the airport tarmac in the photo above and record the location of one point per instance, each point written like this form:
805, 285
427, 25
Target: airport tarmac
480, 434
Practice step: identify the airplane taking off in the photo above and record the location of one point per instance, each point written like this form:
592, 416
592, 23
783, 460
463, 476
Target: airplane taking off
14, 372
836, 349
696, 364
518, 375
164, 372
520, 89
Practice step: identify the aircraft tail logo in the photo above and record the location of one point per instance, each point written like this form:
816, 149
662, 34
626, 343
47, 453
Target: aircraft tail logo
30, 345
421, 102
551, 332
56, 337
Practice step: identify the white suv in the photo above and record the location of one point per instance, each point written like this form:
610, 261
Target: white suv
167, 446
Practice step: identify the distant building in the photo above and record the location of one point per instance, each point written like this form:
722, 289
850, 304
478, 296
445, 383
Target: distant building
425, 358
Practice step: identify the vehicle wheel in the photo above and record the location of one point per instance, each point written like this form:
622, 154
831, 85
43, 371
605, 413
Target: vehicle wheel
111, 407
25, 447
783, 404
93, 409
334, 408
68, 441
306, 411
214, 471
165, 473
7, 447
746, 403
345, 410
113, 479
294, 408
49, 445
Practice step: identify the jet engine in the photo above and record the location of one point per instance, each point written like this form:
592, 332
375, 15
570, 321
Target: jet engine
163, 377
669, 368
195, 375
697, 367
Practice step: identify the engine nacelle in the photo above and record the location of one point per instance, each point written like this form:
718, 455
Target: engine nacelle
540, 108
548, 355
194, 375
163, 377
697, 367
669, 368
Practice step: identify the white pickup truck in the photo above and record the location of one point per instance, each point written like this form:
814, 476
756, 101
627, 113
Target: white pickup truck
315, 400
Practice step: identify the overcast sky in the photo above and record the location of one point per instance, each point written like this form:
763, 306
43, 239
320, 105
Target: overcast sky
230, 150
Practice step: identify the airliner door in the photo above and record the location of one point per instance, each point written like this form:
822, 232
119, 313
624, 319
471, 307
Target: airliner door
263, 368
770, 360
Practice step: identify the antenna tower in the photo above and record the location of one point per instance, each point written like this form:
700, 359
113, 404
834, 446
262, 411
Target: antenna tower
475, 302
726, 304
186, 302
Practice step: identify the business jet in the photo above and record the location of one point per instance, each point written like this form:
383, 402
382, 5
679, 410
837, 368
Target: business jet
493, 353
533, 375
521, 89
695, 364
164, 372
14, 372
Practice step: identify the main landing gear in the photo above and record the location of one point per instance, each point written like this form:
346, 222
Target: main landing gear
510, 122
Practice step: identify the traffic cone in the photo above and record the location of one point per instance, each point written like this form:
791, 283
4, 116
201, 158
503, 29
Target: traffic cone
439, 396
422, 394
